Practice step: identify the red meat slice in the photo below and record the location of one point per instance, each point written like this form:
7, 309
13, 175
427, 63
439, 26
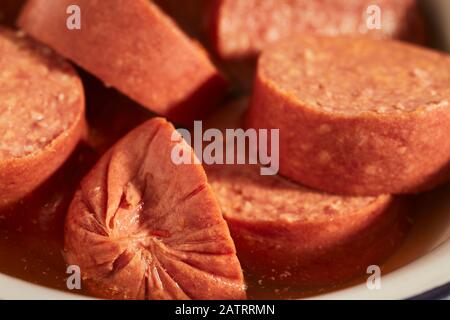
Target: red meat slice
242, 28
289, 234
356, 116
286, 233
41, 114
135, 48
141, 227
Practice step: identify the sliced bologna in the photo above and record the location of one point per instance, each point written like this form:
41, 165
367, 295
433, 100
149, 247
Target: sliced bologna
289, 234
356, 116
133, 47
141, 227
242, 28
41, 114
286, 233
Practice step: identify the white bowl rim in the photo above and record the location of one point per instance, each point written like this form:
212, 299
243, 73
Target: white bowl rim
420, 276
415, 278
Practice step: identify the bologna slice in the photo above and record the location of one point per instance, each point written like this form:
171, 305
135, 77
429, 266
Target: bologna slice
141, 227
289, 234
41, 114
242, 28
356, 116
286, 233
133, 47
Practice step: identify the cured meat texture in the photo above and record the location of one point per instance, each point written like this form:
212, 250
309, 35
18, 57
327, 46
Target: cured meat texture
242, 28
289, 234
356, 116
141, 227
286, 233
41, 114
135, 48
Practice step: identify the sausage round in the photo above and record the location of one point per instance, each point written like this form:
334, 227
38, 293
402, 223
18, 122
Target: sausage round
41, 114
289, 234
286, 233
242, 28
135, 48
356, 116
141, 227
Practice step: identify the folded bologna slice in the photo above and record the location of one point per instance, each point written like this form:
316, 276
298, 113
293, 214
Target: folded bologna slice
286, 233
141, 227
242, 28
356, 116
133, 47
41, 114
289, 234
